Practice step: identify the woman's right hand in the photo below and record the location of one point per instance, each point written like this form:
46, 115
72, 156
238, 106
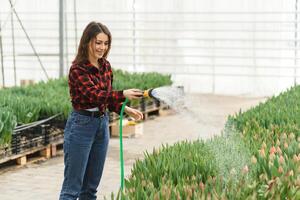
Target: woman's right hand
133, 93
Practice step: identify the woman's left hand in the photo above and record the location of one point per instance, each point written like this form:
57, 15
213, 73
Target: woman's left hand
134, 113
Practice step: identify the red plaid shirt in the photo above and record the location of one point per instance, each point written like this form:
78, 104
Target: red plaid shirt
91, 87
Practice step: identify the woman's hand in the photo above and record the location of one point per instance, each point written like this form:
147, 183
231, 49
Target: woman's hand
134, 113
133, 94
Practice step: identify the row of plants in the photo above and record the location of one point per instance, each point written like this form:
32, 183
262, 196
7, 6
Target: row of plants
22, 105
257, 156
268, 121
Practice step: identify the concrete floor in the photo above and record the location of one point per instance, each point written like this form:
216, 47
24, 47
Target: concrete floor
206, 117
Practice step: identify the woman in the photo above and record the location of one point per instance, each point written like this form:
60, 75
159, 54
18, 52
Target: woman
86, 133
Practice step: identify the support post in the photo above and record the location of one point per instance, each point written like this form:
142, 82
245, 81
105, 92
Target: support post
296, 43
1, 52
13, 45
61, 38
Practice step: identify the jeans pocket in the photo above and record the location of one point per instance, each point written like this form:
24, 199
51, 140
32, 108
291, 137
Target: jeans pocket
81, 120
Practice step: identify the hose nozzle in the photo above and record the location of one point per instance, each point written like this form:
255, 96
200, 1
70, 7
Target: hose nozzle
148, 93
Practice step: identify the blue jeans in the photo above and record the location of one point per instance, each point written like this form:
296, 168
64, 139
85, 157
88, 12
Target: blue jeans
85, 146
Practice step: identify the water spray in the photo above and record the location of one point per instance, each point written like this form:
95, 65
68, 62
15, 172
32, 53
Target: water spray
170, 95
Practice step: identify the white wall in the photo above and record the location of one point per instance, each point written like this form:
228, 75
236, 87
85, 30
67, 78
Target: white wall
217, 46
246, 70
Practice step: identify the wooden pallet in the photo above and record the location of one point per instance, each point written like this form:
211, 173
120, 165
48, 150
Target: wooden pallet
55, 146
150, 113
34, 153
56, 140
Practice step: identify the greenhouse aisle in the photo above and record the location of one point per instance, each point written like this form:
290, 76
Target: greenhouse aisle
205, 118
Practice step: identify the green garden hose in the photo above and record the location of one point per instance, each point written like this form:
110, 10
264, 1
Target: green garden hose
121, 144
147, 93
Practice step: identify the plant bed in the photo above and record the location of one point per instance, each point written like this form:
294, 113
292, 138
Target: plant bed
26, 105
256, 157
30, 138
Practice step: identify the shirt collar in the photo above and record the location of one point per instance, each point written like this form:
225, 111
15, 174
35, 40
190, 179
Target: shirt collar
88, 65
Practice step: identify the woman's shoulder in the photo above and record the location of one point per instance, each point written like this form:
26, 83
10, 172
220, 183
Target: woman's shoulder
77, 68
80, 66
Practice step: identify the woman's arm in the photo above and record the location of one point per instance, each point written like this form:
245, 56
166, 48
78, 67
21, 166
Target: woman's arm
134, 113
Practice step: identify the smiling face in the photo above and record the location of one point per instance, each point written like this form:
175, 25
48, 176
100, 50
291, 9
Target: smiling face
98, 47
94, 44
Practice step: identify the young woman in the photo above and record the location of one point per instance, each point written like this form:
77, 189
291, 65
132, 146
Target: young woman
86, 133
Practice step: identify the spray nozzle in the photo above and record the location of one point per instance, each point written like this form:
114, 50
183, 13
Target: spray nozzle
148, 93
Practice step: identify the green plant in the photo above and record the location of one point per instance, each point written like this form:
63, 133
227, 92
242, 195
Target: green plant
270, 132
45, 99
7, 124
166, 167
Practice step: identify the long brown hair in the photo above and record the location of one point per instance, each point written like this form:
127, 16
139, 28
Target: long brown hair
90, 32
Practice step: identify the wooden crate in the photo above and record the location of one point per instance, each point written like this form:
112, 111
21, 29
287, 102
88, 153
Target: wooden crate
130, 129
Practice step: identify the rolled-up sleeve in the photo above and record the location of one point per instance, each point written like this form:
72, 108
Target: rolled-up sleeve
116, 104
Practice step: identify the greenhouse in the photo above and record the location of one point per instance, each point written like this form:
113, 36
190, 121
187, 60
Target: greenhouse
131, 99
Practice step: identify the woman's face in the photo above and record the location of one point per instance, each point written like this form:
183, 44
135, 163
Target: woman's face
98, 46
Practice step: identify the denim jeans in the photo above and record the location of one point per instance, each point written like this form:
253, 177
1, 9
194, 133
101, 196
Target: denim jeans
85, 146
